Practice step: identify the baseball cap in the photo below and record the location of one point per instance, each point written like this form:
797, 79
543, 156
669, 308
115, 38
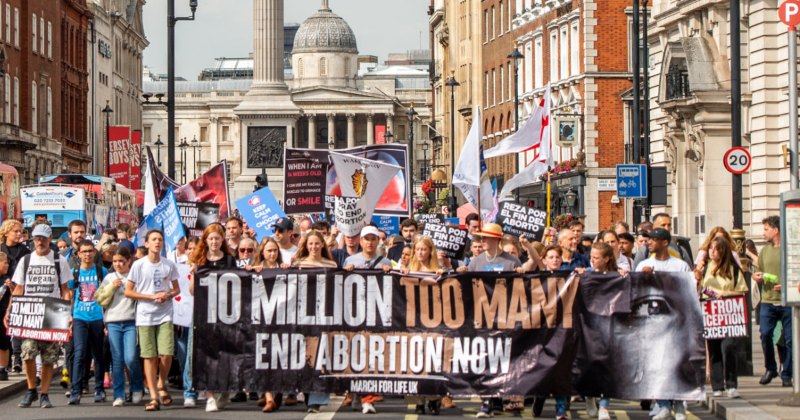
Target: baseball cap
369, 230
284, 223
661, 234
42, 230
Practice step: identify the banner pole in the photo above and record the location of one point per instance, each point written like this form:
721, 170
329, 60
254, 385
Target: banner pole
547, 222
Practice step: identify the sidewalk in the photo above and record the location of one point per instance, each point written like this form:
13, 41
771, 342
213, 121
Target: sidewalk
14, 384
758, 402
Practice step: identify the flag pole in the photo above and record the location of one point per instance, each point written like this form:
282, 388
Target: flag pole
547, 221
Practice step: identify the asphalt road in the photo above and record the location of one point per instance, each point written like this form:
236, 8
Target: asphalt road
391, 408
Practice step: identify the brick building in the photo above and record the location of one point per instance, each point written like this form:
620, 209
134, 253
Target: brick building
74, 27
564, 47
31, 82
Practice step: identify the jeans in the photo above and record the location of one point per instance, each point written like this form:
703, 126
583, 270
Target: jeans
722, 355
318, 398
86, 336
122, 339
604, 402
184, 340
561, 405
770, 315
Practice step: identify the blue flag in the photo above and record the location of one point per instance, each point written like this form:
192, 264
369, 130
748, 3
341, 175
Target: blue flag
166, 218
260, 210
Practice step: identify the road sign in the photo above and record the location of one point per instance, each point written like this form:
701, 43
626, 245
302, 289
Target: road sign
632, 181
789, 13
737, 160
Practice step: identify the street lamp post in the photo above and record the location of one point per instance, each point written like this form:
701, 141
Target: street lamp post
171, 21
411, 115
107, 110
452, 83
183, 145
425, 168
516, 55
194, 155
158, 144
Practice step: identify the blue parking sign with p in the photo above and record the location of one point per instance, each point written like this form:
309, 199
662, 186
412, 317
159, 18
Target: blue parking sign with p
632, 181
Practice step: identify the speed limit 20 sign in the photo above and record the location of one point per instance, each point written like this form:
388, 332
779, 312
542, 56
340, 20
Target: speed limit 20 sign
737, 160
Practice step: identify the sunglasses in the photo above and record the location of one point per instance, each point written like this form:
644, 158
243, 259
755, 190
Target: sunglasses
246, 250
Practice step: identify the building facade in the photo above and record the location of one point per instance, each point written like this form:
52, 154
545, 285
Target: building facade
30, 127
690, 122
338, 107
73, 107
115, 44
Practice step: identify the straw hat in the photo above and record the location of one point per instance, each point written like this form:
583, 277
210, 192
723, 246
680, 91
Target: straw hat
490, 230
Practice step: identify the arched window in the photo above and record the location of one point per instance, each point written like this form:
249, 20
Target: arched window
300, 70
323, 67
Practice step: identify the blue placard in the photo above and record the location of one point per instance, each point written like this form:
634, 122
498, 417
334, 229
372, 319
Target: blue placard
632, 181
452, 221
260, 210
166, 218
388, 224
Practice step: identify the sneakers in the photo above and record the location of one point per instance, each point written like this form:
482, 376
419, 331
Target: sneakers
591, 406
3, 374
484, 412
562, 417
28, 398
368, 408
680, 410
74, 399
733, 393
136, 397
189, 403
716, 394
44, 401
211, 406
17, 366
602, 414
786, 382
313, 408
768, 377
118, 402
223, 400
99, 396
239, 397
290, 400
663, 413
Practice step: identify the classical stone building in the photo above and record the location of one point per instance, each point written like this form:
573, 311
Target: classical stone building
327, 102
690, 122
115, 44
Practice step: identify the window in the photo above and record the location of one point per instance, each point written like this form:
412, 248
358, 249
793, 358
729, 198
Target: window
486, 25
34, 119
510, 84
49, 112
203, 133
41, 35
300, 69
529, 65
539, 66
574, 49
16, 101
7, 104
500, 7
147, 132
510, 16
494, 86
553, 55
50, 40
486, 88
34, 25
502, 86
8, 23
323, 66
493, 23
519, 6
226, 133
564, 53
16, 27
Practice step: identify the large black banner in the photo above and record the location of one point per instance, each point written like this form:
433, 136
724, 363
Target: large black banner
39, 318
468, 334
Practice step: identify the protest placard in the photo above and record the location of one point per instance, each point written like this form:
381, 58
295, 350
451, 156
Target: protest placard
260, 210
520, 220
452, 240
197, 216
725, 318
39, 318
426, 218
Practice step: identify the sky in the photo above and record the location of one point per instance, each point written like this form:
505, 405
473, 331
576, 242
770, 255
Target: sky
224, 28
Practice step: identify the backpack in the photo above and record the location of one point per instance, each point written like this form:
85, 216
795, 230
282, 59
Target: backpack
26, 260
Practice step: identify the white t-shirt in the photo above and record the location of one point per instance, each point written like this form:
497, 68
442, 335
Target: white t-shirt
671, 264
149, 278
288, 254
624, 263
41, 279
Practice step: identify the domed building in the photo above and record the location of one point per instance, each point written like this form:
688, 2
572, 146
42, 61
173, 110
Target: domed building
325, 51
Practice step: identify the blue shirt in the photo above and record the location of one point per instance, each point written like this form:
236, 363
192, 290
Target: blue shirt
578, 261
86, 308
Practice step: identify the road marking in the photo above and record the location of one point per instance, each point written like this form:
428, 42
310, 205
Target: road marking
327, 411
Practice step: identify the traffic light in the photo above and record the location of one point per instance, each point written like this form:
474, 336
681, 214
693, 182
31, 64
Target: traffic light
261, 181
